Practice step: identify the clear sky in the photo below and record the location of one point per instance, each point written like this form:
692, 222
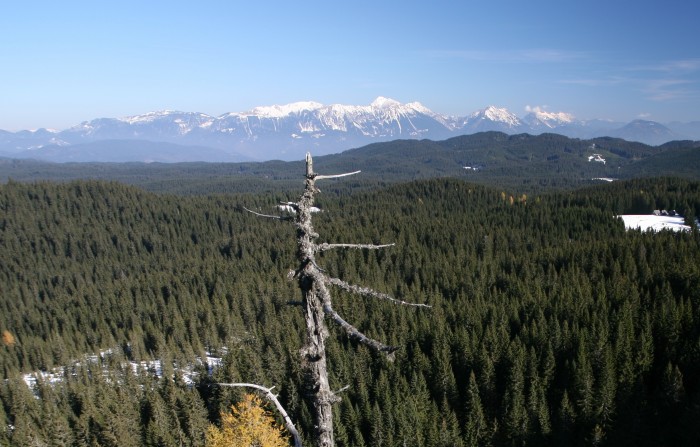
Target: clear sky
64, 62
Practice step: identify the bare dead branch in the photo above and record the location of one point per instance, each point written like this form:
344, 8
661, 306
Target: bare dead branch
323, 177
366, 291
316, 300
345, 388
268, 216
353, 332
273, 398
326, 246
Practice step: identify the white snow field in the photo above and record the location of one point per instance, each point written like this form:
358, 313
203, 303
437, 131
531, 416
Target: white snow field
651, 222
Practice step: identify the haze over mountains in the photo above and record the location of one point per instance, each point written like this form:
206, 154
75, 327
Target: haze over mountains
286, 132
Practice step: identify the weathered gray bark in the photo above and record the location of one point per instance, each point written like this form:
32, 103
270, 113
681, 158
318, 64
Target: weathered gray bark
316, 301
314, 293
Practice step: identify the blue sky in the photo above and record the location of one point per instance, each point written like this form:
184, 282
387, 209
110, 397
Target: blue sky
72, 61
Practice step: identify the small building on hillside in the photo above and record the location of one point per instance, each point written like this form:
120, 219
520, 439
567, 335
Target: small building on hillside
665, 213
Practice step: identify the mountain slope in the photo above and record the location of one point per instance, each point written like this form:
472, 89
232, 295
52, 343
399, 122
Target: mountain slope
523, 162
644, 131
288, 131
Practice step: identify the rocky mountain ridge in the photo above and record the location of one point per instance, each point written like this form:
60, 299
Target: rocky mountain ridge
287, 131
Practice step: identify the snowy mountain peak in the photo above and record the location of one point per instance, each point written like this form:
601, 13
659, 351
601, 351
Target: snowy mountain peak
540, 117
280, 111
164, 115
147, 117
420, 108
384, 103
288, 131
387, 104
496, 114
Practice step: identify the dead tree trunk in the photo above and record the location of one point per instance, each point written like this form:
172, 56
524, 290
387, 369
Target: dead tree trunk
313, 290
316, 301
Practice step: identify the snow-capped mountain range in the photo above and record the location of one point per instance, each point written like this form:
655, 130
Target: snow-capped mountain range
288, 131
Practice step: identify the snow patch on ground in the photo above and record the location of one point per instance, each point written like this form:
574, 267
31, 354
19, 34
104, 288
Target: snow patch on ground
154, 367
597, 158
650, 222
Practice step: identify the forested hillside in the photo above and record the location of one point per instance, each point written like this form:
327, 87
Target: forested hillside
529, 163
550, 325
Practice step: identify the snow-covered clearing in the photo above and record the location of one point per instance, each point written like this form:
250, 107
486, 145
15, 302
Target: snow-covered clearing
647, 222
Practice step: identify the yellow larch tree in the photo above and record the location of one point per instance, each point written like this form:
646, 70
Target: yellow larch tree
7, 338
247, 425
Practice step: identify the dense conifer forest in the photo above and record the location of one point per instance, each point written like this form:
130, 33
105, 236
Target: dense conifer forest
550, 323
